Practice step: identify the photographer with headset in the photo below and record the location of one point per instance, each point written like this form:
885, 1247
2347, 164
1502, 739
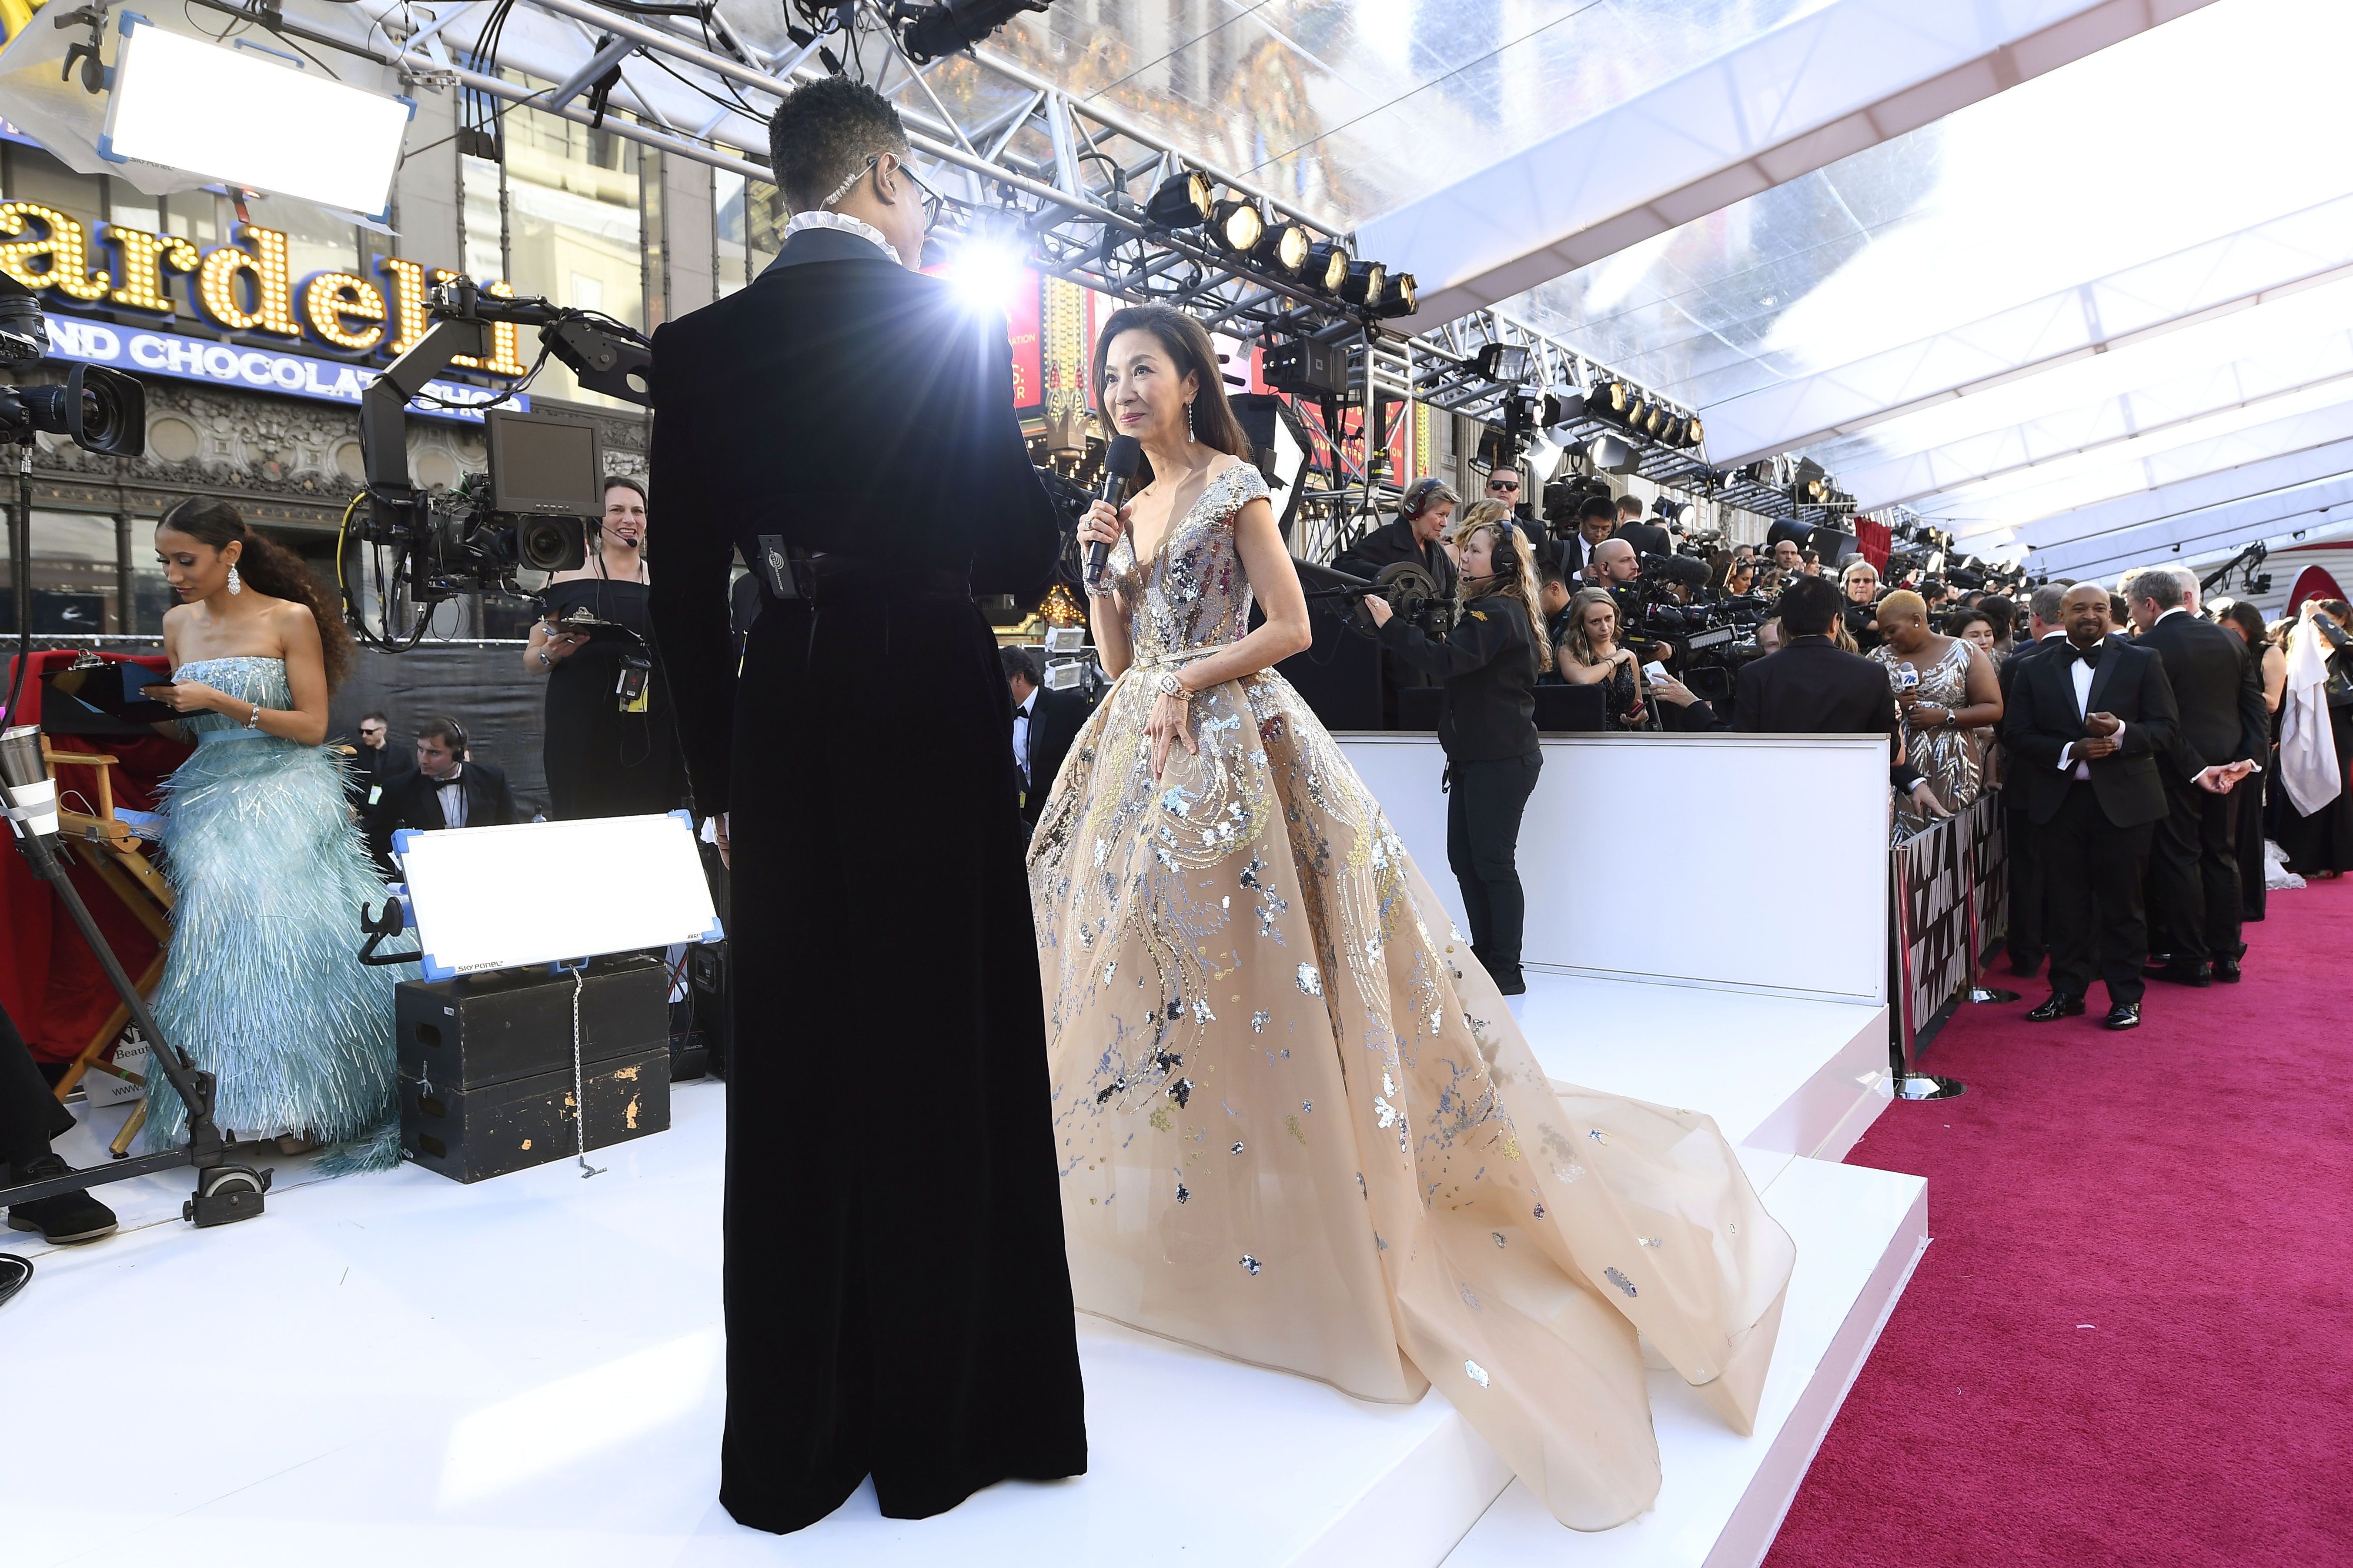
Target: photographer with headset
448, 790
1418, 536
1489, 664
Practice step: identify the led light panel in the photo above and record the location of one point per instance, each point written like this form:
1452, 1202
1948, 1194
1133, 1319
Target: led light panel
242, 117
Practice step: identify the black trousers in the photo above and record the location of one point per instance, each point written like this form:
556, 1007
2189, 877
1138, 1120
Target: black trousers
2253, 892
2093, 871
29, 1114
2193, 873
2025, 939
1483, 841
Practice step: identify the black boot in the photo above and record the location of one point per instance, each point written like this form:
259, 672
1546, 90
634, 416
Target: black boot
62, 1221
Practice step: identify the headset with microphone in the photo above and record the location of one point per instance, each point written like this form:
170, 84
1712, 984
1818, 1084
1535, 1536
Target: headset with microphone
1416, 497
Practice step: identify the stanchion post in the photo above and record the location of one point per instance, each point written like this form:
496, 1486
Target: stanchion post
1978, 993
1910, 1084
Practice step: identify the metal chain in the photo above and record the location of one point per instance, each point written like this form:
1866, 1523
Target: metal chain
579, 1087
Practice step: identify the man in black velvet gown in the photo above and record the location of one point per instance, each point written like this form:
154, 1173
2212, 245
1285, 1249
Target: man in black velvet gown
898, 1303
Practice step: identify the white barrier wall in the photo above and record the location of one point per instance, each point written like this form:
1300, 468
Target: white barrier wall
1746, 862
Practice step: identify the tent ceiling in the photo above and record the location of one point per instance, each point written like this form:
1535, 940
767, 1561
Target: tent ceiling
2076, 263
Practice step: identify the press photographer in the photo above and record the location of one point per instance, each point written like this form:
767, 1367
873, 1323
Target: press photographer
1489, 663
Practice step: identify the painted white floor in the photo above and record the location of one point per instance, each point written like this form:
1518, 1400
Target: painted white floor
396, 1369
1799, 1076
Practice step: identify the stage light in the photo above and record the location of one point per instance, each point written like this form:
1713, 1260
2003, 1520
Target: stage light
1403, 297
1364, 283
1237, 226
1182, 201
236, 116
1284, 249
1609, 455
1672, 430
1562, 407
1695, 435
1612, 400
984, 274
952, 26
1503, 362
1327, 267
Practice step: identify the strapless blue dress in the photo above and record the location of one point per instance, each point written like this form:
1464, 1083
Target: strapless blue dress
262, 984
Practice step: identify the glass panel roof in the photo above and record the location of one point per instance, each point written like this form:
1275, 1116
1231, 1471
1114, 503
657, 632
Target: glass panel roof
1352, 107
2091, 171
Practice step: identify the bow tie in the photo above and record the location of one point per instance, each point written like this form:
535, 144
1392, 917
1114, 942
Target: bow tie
2090, 655
452, 782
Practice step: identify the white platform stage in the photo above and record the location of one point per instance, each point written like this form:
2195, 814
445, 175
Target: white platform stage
401, 1370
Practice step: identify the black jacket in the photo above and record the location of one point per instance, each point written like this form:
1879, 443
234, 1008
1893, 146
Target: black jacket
2042, 721
1813, 687
415, 802
845, 404
1489, 665
1392, 542
2218, 694
376, 774
1054, 720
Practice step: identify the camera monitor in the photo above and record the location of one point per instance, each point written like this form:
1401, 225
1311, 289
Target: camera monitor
545, 465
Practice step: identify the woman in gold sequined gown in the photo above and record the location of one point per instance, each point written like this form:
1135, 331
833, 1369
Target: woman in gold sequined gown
1297, 1126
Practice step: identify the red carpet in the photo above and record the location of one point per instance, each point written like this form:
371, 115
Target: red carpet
2131, 1340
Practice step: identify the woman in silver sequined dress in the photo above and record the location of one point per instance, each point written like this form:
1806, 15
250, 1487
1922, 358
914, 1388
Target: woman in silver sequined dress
1297, 1125
1951, 699
262, 985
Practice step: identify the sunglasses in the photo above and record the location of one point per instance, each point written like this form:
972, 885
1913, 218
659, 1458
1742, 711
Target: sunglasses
933, 203
1503, 484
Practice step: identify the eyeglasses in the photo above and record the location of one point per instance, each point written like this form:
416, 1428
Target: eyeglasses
932, 201
1503, 484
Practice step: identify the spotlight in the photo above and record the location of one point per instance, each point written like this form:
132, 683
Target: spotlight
1284, 249
1327, 267
954, 26
1609, 455
1403, 297
1503, 362
1613, 400
1675, 514
1694, 433
1181, 201
1305, 368
1673, 431
1364, 284
1561, 408
1237, 226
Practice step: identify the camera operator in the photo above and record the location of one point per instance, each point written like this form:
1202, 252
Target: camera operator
1861, 581
1490, 663
1417, 535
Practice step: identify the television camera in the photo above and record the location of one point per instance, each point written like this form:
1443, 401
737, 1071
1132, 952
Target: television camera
1670, 606
528, 513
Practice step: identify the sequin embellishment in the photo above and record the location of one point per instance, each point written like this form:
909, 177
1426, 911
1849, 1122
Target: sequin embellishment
1251, 1264
1309, 981
1258, 1022
1619, 1281
1476, 1373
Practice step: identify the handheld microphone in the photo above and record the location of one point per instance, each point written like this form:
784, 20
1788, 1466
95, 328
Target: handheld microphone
1119, 467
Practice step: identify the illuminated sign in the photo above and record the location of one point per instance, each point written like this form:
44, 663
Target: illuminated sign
245, 287
145, 352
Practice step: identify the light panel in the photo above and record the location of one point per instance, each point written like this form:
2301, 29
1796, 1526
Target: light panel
239, 116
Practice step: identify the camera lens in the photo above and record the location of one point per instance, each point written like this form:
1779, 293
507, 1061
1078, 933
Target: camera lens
106, 411
551, 544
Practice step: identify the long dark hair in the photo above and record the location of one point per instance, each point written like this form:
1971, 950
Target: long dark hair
1189, 349
268, 568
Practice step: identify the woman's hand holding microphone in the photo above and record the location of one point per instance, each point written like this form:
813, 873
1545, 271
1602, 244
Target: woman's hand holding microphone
1102, 526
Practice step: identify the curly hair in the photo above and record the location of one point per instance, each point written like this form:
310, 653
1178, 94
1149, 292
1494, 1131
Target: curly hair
266, 568
823, 132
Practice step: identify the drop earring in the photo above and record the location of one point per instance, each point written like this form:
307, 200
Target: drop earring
1189, 424
236, 583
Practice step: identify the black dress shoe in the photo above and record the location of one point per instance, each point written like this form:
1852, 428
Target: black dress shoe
63, 1220
2123, 1015
2057, 1006
2193, 974
2226, 970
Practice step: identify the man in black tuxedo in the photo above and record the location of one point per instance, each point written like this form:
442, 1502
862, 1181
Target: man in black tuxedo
1813, 687
846, 423
446, 790
1044, 724
2223, 734
2086, 722
377, 765
2026, 940
1596, 520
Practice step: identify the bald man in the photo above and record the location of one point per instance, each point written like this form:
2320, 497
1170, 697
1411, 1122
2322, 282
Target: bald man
2086, 722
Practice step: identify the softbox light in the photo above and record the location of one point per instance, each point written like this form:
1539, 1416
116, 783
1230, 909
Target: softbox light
242, 117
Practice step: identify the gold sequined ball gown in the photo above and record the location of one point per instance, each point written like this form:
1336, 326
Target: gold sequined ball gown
1297, 1126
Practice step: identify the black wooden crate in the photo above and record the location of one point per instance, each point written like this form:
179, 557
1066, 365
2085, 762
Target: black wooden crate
486, 1064
471, 1135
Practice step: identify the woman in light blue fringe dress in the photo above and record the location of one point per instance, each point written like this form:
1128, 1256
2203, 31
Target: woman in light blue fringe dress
262, 984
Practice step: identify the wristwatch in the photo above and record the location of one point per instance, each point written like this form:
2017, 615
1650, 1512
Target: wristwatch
545, 662
1170, 685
